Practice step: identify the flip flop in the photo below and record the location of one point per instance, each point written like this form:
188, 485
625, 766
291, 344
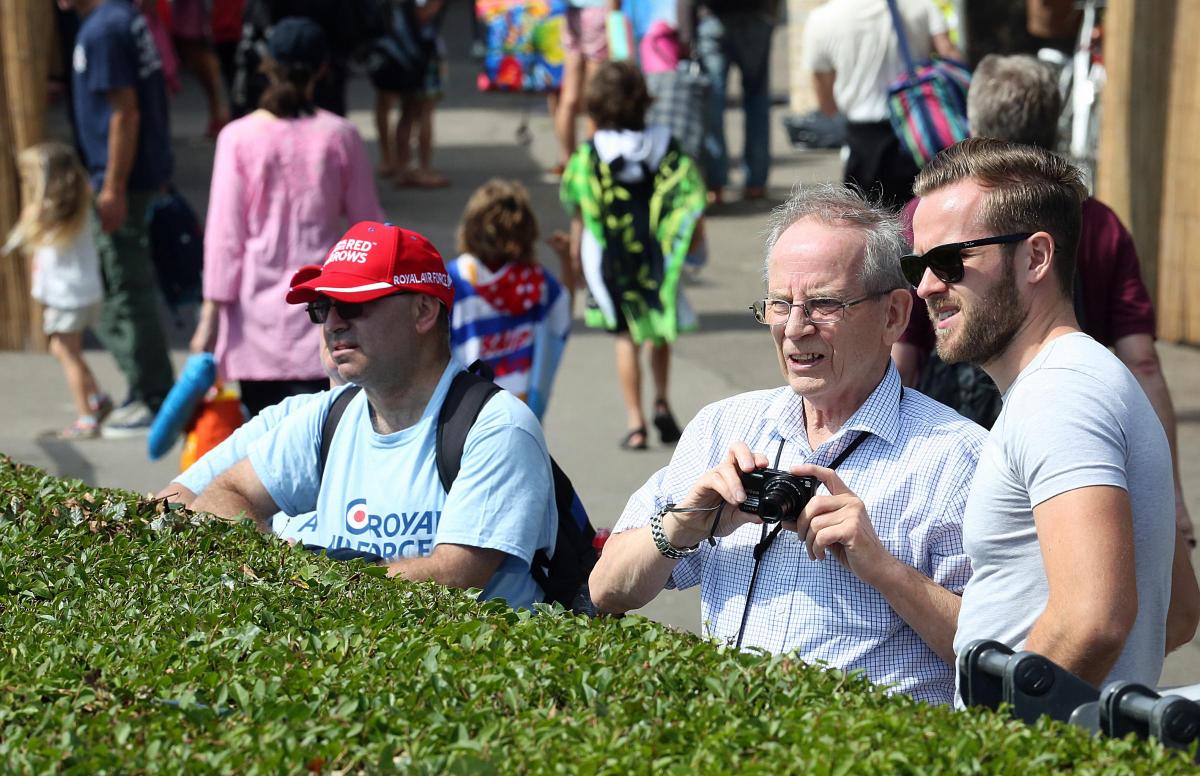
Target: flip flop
425, 180
664, 421
628, 442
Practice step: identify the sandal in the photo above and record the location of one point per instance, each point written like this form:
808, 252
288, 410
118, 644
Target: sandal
664, 421
638, 434
82, 428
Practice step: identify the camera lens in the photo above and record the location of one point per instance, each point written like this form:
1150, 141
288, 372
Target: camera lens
781, 500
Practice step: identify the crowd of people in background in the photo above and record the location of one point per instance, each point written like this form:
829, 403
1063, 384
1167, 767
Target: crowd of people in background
864, 328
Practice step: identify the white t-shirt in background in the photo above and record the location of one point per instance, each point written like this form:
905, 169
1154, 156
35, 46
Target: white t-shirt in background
855, 39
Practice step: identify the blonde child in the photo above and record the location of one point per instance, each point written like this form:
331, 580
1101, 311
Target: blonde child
509, 311
55, 227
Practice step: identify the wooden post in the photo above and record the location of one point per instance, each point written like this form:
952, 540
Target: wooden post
1138, 40
26, 29
1179, 265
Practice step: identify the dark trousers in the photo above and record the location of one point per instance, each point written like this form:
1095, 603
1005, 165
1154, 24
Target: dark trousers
878, 164
257, 395
130, 327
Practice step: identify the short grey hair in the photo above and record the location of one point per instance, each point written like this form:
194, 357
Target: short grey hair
1014, 98
836, 204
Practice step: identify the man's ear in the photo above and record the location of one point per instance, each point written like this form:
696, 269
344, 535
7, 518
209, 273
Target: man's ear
899, 304
1040, 264
425, 313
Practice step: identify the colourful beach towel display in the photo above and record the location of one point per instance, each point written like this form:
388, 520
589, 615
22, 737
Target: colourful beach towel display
523, 40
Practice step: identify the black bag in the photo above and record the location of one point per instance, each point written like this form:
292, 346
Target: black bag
562, 576
177, 249
963, 387
396, 61
815, 130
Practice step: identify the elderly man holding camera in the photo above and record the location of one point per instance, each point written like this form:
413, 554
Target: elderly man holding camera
823, 517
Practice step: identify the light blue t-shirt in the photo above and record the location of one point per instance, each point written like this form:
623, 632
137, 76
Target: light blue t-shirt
380, 493
200, 474
237, 445
1074, 418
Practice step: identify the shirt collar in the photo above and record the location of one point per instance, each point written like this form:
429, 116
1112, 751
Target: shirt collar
879, 415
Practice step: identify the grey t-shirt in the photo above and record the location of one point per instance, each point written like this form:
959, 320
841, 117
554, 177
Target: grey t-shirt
1075, 417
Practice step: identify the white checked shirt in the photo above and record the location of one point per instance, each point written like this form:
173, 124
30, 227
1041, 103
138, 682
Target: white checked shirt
912, 471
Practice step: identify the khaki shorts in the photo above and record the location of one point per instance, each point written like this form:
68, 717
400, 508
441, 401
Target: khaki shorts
586, 31
69, 320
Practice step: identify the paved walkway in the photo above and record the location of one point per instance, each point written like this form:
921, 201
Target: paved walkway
477, 139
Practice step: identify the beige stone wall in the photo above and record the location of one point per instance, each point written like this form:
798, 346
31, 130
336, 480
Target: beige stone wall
800, 93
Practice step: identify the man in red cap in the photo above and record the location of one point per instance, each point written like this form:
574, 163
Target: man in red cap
383, 298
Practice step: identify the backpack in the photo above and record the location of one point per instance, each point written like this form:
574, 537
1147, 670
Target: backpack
562, 576
397, 60
176, 248
634, 266
348, 26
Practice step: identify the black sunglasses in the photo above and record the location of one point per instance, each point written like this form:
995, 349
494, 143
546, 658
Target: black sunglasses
318, 309
946, 261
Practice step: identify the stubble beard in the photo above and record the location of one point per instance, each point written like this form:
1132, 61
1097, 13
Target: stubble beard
988, 328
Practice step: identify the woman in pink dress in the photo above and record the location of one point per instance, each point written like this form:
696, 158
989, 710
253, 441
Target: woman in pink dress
286, 180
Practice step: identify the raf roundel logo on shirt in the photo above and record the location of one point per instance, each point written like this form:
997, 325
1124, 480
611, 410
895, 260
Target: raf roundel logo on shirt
391, 535
357, 519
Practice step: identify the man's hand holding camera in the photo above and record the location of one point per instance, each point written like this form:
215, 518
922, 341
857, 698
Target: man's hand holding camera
839, 523
721, 485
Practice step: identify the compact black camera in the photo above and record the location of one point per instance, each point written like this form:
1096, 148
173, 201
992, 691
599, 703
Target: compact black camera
774, 495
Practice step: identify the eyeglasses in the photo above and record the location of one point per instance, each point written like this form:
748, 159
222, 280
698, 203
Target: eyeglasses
946, 261
820, 311
318, 309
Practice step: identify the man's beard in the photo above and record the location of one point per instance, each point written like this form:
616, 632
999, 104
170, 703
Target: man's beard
987, 328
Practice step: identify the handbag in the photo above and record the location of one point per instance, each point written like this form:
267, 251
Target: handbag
176, 248
679, 98
396, 60
928, 104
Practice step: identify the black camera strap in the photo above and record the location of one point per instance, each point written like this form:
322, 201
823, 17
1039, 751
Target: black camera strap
768, 534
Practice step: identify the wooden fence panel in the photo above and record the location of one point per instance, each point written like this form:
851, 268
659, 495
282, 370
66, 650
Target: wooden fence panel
1179, 266
26, 29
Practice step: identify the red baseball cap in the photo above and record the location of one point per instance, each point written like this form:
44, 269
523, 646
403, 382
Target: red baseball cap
371, 261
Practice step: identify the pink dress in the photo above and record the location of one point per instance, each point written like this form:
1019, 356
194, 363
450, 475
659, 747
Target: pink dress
283, 192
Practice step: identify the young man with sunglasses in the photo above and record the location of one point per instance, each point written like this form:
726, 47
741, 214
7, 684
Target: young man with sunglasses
1071, 511
1017, 98
382, 299
866, 576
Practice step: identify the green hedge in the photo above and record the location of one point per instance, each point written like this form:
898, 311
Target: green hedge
136, 638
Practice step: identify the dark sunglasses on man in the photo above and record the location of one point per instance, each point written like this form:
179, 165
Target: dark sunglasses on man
946, 261
318, 309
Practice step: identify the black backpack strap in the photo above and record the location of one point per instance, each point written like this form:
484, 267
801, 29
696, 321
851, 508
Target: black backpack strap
332, 418
464, 401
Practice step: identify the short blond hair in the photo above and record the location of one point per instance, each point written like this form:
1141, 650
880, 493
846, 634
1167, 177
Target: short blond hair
56, 197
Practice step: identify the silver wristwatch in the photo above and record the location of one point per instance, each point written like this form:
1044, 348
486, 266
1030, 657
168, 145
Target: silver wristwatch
664, 546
